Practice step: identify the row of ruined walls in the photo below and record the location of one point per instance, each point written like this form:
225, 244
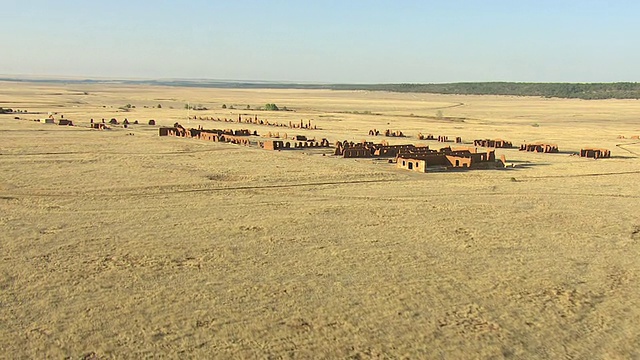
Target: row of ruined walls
387, 133
240, 137
595, 153
493, 143
540, 148
256, 121
439, 138
367, 149
282, 145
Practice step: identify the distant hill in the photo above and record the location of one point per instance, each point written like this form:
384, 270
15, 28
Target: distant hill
587, 91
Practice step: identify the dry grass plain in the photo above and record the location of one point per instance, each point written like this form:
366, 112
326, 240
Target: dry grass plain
121, 246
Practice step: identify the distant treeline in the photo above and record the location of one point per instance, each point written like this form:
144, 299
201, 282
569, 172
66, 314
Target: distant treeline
620, 90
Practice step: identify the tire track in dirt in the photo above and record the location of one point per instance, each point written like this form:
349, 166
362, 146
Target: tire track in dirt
175, 189
113, 153
621, 146
578, 175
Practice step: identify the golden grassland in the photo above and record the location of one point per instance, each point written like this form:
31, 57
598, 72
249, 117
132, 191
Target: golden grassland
122, 244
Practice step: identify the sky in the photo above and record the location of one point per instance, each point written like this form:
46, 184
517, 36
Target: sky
347, 41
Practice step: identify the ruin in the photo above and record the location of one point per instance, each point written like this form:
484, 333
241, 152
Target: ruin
595, 153
239, 137
425, 137
391, 133
448, 158
539, 147
99, 126
366, 149
493, 143
282, 145
253, 119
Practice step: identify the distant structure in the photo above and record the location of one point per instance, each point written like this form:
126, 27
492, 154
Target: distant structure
493, 143
595, 153
421, 136
304, 144
393, 133
99, 126
253, 119
540, 148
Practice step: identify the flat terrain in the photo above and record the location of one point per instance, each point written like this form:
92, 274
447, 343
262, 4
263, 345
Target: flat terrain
123, 244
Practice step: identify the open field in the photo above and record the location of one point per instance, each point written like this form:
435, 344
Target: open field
115, 245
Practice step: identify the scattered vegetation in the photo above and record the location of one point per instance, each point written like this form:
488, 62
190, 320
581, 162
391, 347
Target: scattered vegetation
271, 107
224, 106
619, 90
159, 106
5, 111
198, 107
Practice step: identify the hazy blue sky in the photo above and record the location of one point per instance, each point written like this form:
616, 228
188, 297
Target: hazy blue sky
324, 41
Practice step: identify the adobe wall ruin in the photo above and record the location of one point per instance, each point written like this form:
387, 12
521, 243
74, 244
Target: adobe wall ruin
412, 164
240, 137
393, 133
366, 149
421, 136
595, 153
451, 158
253, 119
493, 143
539, 147
282, 145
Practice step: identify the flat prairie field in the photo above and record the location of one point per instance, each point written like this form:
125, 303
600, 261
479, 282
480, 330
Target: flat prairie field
120, 243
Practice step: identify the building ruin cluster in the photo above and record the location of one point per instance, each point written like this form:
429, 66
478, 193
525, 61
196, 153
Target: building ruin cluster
418, 158
407, 156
